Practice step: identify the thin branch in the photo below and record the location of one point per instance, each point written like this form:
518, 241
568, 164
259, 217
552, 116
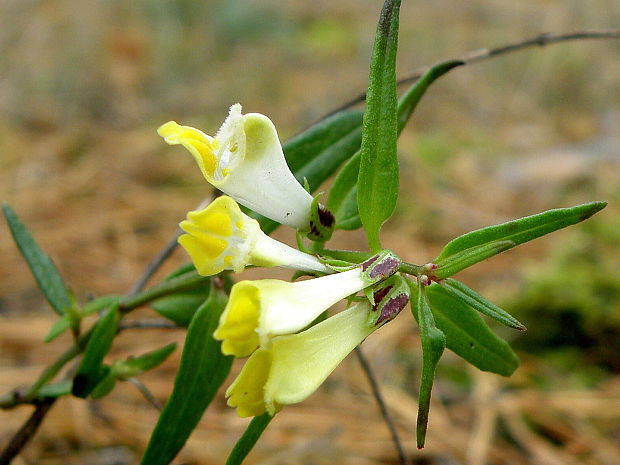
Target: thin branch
483, 54
155, 264
389, 421
163, 255
27, 431
148, 395
147, 324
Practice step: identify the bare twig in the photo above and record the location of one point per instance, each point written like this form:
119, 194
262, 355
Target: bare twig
389, 421
155, 264
27, 431
164, 254
148, 395
482, 54
147, 324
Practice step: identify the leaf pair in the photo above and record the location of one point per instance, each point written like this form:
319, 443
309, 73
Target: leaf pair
95, 379
448, 320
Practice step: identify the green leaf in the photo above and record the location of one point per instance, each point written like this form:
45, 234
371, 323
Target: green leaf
516, 231
181, 306
377, 185
318, 151
72, 316
91, 370
59, 389
41, 265
105, 385
59, 327
433, 345
467, 334
452, 264
477, 302
410, 99
133, 366
98, 304
249, 438
342, 200
202, 371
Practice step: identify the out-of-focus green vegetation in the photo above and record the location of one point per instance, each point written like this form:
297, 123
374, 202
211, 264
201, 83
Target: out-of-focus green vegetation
572, 299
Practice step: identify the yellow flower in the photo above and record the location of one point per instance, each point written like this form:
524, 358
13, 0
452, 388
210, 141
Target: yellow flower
221, 237
259, 310
292, 367
245, 161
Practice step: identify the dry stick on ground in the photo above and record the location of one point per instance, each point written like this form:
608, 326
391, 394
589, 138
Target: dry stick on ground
27, 431
487, 53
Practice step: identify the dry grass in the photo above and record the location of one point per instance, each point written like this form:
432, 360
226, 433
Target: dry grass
82, 166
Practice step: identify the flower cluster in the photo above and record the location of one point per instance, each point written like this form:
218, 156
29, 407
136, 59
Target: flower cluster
269, 320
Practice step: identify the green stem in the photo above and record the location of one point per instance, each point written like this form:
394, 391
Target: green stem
127, 304
249, 438
356, 256
52, 370
160, 290
414, 270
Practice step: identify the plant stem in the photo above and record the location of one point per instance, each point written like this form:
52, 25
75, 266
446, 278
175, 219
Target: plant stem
483, 54
27, 431
389, 421
414, 270
162, 289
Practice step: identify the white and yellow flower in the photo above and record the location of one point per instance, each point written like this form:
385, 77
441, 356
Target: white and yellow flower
259, 310
292, 367
245, 161
221, 237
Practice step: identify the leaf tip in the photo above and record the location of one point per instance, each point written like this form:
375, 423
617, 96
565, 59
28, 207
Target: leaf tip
594, 207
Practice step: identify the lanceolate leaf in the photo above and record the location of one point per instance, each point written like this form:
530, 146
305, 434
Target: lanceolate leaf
59, 389
343, 194
202, 371
181, 306
452, 264
521, 230
378, 178
433, 345
249, 438
135, 365
105, 385
477, 302
41, 265
91, 370
315, 154
467, 335
342, 200
410, 99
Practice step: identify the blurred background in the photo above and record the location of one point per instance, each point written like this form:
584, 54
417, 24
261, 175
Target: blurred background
83, 87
